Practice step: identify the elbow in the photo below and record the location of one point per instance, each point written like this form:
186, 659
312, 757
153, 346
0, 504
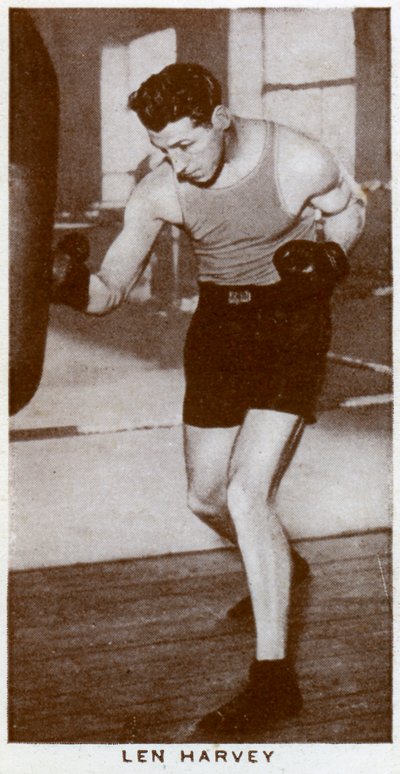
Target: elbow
347, 226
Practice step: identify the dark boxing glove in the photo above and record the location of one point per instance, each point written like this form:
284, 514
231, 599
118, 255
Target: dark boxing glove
70, 277
316, 266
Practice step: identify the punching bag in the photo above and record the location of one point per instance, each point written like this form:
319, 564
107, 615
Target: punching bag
32, 185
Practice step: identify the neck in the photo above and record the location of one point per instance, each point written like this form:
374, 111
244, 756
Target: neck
229, 152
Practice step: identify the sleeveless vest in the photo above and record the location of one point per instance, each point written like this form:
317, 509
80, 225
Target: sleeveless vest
235, 230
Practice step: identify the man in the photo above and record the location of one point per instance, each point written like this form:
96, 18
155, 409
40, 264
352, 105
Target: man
255, 351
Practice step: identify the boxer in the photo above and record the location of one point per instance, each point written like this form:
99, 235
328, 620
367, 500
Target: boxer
250, 194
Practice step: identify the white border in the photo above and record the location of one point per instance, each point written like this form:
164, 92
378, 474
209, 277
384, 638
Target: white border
287, 758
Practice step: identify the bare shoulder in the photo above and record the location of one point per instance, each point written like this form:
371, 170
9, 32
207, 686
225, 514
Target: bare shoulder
306, 168
156, 197
302, 154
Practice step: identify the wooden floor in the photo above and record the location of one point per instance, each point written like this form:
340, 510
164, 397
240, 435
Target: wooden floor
137, 651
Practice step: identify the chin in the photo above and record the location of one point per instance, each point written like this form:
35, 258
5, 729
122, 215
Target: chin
206, 178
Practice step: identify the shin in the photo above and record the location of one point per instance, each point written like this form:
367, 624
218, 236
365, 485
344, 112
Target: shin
262, 453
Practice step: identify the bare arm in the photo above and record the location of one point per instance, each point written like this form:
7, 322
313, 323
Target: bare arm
152, 204
343, 212
310, 176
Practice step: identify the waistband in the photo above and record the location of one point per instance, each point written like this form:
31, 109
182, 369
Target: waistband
241, 295
246, 296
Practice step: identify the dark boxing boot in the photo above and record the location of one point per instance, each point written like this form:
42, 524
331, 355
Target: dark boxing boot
270, 694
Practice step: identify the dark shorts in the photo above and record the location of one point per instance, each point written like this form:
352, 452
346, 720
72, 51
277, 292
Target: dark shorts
254, 347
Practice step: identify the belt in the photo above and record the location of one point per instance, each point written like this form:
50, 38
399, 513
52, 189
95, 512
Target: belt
281, 293
238, 295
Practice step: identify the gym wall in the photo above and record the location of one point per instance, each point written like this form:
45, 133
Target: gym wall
325, 72
79, 40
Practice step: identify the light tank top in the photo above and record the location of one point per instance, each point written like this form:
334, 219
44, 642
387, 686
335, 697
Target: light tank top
235, 230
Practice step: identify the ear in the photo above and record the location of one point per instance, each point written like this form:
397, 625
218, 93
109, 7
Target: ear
221, 117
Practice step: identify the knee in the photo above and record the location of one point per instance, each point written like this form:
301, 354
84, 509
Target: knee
239, 496
205, 503
244, 498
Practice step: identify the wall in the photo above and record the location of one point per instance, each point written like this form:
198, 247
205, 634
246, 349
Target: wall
323, 71
372, 37
297, 67
257, 84
75, 39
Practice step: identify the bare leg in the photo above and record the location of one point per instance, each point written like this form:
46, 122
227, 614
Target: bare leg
262, 452
233, 478
207, 454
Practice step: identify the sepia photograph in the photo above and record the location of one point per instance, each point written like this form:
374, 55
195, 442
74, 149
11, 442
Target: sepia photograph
200, 381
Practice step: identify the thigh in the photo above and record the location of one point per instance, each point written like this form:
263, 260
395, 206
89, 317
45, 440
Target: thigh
263, 450
207, 455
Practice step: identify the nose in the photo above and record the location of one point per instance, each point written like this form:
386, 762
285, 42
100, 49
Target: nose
178, 162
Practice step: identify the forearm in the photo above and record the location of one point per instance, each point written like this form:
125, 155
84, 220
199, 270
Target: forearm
74, 285
345, 227
107, 293
124, 261
119, 272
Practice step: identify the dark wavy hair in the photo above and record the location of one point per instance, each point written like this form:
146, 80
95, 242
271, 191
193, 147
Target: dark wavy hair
180, 90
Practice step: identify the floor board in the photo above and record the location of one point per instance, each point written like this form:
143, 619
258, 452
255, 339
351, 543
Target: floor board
138, 650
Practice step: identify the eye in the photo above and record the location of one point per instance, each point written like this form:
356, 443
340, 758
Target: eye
158, 147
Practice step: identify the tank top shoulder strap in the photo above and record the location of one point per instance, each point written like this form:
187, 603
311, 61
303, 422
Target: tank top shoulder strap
274, 150
269, 163
264, 173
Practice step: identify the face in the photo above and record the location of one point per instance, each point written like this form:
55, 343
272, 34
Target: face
195, 152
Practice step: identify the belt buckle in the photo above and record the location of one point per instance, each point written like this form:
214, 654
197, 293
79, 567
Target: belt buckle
239, 296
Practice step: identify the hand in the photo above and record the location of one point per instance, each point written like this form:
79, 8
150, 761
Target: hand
70, 276
315, 265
